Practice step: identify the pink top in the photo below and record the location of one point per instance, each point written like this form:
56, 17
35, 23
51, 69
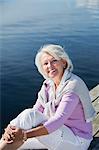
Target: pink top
70, 113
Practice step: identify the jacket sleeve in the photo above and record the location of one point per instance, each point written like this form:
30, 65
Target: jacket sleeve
38, 106
64, 110
42, 97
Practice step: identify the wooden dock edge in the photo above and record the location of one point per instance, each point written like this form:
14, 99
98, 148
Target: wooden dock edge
94, 93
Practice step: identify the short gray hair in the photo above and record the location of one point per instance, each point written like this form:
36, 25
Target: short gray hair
57, 52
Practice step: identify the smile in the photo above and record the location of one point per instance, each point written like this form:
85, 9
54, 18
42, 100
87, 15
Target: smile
51, 71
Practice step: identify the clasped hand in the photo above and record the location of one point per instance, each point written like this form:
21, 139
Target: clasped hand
12, 134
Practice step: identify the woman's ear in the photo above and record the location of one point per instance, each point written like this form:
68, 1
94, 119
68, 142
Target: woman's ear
64, 63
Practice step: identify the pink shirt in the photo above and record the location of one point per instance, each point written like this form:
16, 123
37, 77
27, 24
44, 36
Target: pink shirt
70, 113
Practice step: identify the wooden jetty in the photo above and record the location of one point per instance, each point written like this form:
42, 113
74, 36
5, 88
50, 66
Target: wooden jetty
95, 101
94, 144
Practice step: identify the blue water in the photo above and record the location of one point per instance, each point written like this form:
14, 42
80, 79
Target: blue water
25, 27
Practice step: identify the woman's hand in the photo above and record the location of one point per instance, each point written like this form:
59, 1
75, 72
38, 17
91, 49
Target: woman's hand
8, 135
19, 134
13, 134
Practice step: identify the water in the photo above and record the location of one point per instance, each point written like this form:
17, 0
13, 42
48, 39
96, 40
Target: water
26, 26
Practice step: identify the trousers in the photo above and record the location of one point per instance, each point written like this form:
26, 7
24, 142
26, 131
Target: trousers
61, 139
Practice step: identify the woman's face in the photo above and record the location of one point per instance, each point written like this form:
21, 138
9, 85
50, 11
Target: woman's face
52, 67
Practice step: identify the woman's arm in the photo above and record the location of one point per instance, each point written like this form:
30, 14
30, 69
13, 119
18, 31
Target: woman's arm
64, 110
13, 134
38, 106
37, 131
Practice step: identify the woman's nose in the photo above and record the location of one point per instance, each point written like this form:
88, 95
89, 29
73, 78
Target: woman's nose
49, 64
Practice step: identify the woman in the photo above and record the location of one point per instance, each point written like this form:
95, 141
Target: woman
64, 103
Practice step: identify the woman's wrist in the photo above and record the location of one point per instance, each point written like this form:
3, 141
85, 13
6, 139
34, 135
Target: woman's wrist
24, 136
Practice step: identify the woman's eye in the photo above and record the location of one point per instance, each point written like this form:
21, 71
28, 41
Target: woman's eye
51, 62
45, 63
54, 61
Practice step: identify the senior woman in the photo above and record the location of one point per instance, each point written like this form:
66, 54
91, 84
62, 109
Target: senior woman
63, 104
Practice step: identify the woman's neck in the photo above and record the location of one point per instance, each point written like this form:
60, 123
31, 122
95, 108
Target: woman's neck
57, 82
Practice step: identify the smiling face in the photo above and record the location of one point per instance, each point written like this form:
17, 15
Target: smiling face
52, 67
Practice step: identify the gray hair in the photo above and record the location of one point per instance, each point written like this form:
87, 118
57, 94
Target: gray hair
57, 52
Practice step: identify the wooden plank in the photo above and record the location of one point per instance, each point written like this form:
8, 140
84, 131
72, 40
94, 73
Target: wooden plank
94, 93
96, 125
95, 96
96, 105
95, 101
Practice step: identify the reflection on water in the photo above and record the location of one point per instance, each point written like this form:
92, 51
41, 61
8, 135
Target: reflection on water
88, 4
92, 6
25, 26
13, 11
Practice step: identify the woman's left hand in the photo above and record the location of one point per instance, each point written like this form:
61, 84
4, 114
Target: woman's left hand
18, 133
8, 135
13, 134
